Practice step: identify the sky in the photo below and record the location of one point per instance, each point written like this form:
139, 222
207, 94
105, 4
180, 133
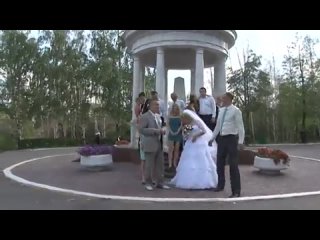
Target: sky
267, 43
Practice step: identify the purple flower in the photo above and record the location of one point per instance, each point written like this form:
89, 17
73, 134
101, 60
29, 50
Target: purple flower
93, 150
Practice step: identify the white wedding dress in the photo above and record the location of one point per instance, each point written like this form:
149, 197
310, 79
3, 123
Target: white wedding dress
197, 165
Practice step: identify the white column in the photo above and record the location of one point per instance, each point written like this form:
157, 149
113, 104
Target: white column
199, 81
160, 74
212, 80
165, 98
193, 82
142, 77
135, 93
220, 85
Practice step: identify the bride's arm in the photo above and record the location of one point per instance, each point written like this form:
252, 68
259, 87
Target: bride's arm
201, 132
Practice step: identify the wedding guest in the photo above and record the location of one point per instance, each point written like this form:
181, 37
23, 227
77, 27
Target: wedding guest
138, 113
175, 135
207, 108
163, 109
152, 131
143, 101
193, 103
176, 100
138, 108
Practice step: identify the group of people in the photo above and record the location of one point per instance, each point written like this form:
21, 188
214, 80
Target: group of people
201, 136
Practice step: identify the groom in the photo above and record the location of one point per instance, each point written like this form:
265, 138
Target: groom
151, 128
231, 136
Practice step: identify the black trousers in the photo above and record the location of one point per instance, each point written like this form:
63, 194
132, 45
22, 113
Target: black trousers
208, 121
228, 146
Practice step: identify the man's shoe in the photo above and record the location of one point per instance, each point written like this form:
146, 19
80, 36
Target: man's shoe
162, 186
234, 195
218, 189
149, 187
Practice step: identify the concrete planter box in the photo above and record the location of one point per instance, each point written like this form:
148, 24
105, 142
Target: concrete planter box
268, 165
96, 161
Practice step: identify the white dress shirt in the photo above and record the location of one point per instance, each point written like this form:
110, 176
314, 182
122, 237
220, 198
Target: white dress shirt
180, 103
232, 123
157, 118
207, 106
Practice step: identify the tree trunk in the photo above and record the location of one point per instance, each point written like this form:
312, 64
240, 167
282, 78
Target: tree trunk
252, 128
274, 128
303, 134
48, 127
104, 127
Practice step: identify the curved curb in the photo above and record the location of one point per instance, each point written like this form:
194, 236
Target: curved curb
8, 173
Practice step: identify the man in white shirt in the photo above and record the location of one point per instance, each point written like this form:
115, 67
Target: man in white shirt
231, 136
176, 100
207, 108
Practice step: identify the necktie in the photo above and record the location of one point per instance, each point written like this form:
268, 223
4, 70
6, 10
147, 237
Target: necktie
222, 121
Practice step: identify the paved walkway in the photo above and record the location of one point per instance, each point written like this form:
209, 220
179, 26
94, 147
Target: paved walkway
16, 196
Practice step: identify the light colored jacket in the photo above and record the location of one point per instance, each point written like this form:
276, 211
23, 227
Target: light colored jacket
149, 127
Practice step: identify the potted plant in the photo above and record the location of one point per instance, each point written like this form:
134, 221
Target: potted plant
92, 156
271, 160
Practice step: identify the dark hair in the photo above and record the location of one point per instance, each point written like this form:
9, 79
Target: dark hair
154, 93
142, 94
146, 106
194, 101
193, 98
230, 95
203, 88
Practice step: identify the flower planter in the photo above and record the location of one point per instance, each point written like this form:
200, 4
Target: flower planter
96, 161
268, 165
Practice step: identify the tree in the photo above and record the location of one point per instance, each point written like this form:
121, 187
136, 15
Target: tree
17, 57
300, 76
251, 88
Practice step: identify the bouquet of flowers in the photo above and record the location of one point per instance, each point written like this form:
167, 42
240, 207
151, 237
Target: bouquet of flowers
275, 154
93, 150
187, 129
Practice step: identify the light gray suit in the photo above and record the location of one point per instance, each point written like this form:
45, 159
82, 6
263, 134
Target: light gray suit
150, 126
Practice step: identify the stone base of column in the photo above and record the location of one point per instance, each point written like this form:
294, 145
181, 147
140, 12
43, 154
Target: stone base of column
134, 136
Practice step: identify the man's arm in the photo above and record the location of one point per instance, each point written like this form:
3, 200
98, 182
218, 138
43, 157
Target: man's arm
144, 130
183, 105
216, 129
239, 124
213, 105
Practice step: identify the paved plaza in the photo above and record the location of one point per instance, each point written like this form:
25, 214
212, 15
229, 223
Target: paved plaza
123, 180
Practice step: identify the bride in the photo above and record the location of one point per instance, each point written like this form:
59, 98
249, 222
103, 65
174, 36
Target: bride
197, 167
